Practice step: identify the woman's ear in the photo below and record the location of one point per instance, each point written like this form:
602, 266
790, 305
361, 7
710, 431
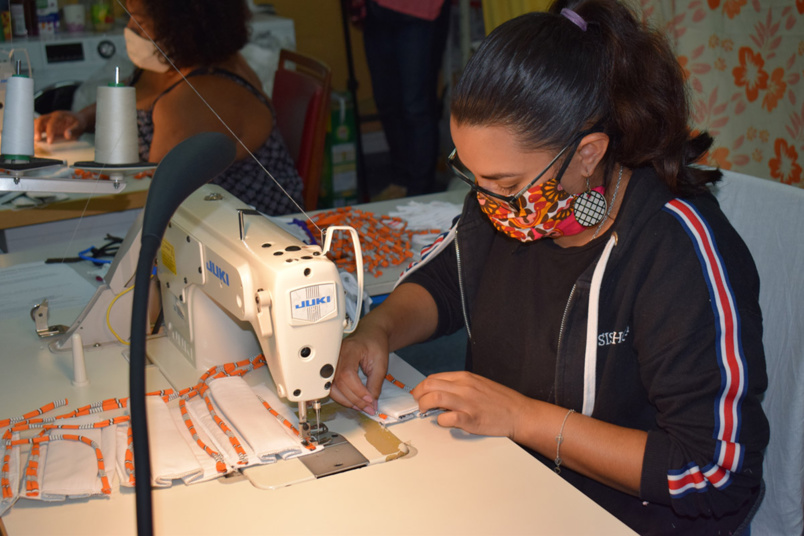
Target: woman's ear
591, 151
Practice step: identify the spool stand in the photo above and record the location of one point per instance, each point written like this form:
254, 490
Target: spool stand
22, 172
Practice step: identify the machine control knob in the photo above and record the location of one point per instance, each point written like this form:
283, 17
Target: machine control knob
106, 49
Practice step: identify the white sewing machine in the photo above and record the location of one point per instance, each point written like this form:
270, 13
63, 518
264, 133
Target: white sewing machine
235, 285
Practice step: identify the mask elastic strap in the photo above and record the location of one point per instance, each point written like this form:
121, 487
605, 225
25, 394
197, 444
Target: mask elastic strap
597, 127
569, 157
564, 164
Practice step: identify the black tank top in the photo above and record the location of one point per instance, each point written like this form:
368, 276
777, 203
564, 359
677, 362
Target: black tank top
244, 178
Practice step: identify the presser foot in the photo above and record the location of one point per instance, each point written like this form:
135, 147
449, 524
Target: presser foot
320, 434
39, 314
313, 434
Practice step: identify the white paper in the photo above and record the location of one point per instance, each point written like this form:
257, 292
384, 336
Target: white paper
24, 285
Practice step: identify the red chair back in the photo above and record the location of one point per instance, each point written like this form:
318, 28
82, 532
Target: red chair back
301, 99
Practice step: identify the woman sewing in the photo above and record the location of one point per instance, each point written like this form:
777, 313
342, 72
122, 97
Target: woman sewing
611, 309
201, 40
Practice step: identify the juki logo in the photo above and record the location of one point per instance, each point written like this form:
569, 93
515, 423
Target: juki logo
218, 272
313, 302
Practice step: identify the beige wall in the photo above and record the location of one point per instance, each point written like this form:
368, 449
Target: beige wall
319, 33
499, 11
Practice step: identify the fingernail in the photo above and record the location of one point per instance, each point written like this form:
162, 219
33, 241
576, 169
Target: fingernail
369, 410
369, 399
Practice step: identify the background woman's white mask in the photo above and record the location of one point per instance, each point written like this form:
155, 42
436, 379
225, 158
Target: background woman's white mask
143, 53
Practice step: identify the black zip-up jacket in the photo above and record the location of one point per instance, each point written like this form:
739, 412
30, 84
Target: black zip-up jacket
676, 351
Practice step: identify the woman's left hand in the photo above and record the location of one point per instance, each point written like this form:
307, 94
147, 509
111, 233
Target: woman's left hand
472, 403
606, 452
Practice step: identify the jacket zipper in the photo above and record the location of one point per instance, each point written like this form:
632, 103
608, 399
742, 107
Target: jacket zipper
460, 286
564, 320
558, 347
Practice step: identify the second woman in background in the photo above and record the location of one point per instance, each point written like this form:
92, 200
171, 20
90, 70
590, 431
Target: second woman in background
201, 39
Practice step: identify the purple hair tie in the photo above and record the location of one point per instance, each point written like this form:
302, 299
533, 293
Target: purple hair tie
576, 19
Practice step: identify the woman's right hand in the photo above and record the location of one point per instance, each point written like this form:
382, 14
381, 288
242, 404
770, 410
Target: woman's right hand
366, 350
61, 123
409, 315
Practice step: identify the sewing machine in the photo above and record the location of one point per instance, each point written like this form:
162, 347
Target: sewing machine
234, 285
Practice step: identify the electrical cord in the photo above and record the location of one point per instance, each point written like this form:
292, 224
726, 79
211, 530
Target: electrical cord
189, 165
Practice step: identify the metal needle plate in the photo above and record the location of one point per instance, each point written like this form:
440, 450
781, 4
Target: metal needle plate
338, 456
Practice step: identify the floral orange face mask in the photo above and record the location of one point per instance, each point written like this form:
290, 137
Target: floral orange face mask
545, 210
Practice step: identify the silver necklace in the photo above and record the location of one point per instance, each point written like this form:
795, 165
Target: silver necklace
611, 205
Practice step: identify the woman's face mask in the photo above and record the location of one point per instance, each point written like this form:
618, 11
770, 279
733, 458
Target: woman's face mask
540, 209
143, 53
545, 210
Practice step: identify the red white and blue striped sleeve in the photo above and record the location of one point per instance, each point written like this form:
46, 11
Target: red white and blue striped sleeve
729, 452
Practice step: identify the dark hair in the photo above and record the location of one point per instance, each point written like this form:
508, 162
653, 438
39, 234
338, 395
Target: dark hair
546, 79
199, 32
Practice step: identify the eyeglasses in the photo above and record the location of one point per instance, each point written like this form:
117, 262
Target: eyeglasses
512, 200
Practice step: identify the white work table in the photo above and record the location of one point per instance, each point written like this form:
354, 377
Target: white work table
450, 483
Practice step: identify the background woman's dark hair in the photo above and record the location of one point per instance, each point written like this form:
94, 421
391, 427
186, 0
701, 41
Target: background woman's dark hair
199, 32
546, 79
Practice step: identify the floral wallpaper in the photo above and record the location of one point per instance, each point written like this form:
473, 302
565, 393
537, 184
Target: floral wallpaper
744, 61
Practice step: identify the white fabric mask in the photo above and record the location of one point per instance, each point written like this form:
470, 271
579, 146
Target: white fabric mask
143, 53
